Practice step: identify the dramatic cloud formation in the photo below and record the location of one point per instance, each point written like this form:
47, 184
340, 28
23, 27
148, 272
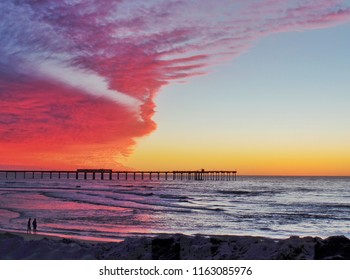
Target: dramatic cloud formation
78, 77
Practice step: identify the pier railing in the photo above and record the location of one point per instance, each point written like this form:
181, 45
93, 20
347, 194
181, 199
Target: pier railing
109, 174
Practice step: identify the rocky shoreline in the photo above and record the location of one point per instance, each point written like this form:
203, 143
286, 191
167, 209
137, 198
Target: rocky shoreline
175, 247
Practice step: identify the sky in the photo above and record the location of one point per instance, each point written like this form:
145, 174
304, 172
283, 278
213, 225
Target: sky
260, 87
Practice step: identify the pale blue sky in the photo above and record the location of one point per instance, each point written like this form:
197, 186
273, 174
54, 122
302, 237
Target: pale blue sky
289, 89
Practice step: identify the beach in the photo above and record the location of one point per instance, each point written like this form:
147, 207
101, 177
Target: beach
251, 218
21, 246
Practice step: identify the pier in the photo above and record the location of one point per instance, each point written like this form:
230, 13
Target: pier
109, 174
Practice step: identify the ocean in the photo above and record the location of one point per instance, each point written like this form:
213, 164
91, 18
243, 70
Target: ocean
107, 210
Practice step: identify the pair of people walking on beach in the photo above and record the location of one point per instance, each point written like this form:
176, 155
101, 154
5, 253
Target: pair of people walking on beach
29, 225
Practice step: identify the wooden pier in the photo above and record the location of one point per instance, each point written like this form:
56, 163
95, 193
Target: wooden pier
109, 174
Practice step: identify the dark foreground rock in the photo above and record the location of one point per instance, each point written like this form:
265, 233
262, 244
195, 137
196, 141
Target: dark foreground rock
174, 247
333, 248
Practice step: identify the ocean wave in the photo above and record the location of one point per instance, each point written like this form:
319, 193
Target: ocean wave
246, 193
173, 196
250, 206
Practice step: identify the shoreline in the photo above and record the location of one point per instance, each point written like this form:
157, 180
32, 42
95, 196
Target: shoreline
41, 235
20, 246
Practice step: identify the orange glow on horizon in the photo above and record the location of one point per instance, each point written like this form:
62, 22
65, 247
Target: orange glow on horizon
271, 161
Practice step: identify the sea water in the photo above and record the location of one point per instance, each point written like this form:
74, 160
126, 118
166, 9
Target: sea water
115, 209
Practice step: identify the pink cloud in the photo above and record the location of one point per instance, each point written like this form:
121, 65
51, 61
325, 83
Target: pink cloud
78, 78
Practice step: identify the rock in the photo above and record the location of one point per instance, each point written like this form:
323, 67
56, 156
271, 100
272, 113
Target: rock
177, 246
333, 248
165, 249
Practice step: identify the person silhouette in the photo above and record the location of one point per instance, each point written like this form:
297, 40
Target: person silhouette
29, 227
34, 226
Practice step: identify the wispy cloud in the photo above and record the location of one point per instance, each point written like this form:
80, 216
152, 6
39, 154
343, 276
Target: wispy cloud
78, 78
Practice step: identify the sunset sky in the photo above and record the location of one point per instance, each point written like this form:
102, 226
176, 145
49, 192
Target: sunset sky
261, 87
